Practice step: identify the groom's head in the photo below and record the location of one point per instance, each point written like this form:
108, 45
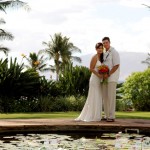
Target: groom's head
106, 42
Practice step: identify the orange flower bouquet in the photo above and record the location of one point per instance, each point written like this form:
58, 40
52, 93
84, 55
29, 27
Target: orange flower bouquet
103, 69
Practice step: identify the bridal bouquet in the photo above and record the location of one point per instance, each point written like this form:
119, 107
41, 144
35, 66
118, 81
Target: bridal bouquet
103, 69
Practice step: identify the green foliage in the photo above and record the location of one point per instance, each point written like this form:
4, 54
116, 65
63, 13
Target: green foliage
14, 83
45, 103
50, 104
25, 104
26, 91
121, 104
49, 87
137, 89
119, 91
68, 103
124, 105
74, 80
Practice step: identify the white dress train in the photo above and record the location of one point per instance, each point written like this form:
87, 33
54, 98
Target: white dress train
92, 110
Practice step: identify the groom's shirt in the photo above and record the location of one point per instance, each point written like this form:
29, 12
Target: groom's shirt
111, 59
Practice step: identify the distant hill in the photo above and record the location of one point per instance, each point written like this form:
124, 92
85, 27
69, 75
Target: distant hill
130, 62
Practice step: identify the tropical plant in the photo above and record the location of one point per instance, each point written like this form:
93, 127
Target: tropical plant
147, 61
49, 87
137, 89
61, 50
36, 62
14, 82
74, 80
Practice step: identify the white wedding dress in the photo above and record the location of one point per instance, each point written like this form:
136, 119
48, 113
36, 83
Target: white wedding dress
92, 110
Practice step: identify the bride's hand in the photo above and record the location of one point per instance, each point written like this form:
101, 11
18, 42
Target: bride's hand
106, 76
101, 76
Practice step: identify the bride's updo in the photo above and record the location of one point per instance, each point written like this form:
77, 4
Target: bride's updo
98, 45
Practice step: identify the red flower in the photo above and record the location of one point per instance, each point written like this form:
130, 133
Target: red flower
103, 69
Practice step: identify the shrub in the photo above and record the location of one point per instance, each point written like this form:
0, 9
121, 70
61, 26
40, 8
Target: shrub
137, 89
74, 80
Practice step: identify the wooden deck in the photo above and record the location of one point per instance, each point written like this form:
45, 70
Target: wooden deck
69, 125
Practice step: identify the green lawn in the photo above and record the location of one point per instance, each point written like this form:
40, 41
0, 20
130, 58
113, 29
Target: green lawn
138, 115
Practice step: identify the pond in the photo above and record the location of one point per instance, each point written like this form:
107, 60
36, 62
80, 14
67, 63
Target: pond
75, 141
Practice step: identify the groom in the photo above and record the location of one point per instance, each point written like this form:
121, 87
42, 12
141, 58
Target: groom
112, 60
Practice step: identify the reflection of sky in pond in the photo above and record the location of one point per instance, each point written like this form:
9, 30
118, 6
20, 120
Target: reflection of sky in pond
118, 141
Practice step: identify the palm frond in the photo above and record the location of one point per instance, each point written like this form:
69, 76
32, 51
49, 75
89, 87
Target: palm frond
75, 58
146, 5
4, 49
75, 49
13, 4
5, 35
2, 21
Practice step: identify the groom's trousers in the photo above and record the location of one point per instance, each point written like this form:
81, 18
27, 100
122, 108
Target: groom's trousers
109, 99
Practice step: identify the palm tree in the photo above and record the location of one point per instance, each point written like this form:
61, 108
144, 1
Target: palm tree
147, 61
36, 62
61, 50
13, 4
4, 35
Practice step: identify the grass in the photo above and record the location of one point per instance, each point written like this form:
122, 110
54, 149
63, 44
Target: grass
71, 115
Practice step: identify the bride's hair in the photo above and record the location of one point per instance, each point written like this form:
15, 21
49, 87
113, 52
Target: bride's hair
98, 45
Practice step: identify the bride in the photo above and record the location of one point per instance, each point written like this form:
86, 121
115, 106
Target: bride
92, 110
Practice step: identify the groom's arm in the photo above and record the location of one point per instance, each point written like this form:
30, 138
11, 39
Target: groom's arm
113, 69
116, 63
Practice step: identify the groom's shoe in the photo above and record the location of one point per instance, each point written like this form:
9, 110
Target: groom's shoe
104, 119
110, 120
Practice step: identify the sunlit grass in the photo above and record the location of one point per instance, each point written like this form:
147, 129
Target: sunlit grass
135, 115
51, 115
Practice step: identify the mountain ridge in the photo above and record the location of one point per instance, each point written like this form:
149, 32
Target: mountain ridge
129, 62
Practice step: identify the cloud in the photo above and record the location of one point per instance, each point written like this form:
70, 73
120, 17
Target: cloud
84, 21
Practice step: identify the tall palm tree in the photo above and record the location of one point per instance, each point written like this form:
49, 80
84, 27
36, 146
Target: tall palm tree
37, 62
61, 50
147, 61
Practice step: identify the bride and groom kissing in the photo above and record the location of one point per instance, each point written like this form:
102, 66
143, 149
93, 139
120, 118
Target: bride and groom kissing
102, 95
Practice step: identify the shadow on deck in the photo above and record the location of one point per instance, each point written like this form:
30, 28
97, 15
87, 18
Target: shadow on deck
69, 125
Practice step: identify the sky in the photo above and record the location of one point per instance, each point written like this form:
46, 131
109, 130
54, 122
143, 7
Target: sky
85, 22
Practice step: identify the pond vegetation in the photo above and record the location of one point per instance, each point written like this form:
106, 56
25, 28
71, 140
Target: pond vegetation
112, 141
